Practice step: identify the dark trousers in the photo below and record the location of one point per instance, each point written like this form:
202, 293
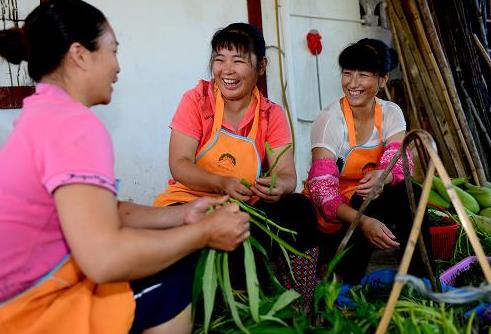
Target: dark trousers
391, 208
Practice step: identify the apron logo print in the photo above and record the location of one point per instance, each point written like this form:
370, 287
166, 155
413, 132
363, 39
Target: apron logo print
227, 161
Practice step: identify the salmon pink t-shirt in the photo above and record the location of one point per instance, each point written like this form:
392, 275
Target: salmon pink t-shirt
55, 141
194, 117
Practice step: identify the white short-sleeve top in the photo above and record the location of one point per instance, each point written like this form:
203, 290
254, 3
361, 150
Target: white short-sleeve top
330, 130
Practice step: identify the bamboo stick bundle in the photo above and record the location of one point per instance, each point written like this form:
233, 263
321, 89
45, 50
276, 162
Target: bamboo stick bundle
460, 22
428, 34
483, 51
476, 115
437, 82
421, 157
424, 90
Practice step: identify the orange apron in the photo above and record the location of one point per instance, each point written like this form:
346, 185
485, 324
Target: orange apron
66, 301
225, 153
359, 160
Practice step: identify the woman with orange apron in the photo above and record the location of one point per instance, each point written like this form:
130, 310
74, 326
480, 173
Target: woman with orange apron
73, 258
219, 137
353, 140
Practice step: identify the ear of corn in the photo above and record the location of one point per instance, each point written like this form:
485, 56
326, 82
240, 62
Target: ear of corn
481, 194
486, 212
459, 181
436, 200
468, 200
481, 223
440, 188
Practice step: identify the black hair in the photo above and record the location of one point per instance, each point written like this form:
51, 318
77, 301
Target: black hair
48, 32
243, 37
370, 55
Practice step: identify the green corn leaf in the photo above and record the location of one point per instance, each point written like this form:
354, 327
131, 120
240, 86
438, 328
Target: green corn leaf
198, 280
209, 287
228, 295
257, 246
250, 210
278, 287
242, 307
285, 299
280, 241
273, 182
245, 206
269, 150
288, 263
245, 183
218, 268
332, 264
275, 319
251, 280
275, 162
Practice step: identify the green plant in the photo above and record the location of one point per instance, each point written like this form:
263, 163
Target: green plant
270, 152
213, 272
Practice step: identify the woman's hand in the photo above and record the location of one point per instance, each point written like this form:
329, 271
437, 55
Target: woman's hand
262, 188
227, 226
197, 209
369, 181
232, 187
377, 233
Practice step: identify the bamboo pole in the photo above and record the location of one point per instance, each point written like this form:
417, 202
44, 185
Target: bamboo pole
481, 48
404, 71
418, 74
477, 118
415, 123
434, 101
455, 104
471, 158
408, 253
468, 64
415, 231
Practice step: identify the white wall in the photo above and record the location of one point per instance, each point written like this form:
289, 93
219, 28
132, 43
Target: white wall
164, 50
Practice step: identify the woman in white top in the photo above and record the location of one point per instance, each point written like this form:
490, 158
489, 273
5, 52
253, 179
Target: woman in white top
353, 140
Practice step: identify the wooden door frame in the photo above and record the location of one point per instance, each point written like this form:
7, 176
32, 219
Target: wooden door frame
256, 18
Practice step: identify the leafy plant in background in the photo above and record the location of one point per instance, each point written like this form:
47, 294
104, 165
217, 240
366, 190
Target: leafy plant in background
213, 272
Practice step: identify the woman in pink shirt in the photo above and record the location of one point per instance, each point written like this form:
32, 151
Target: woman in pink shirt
70, 251
218, 145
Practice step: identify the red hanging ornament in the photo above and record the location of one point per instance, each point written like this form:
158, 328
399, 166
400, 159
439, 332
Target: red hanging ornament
314, 42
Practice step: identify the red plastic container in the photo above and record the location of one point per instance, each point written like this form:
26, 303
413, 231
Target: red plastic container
443, 241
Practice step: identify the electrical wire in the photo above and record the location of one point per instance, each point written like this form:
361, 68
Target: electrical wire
280, 65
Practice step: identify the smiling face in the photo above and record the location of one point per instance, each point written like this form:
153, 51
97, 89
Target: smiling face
104, 67
235, 73
360, 87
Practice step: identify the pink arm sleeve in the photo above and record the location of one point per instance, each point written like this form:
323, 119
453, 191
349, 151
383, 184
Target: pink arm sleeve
398, 171
323, 185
